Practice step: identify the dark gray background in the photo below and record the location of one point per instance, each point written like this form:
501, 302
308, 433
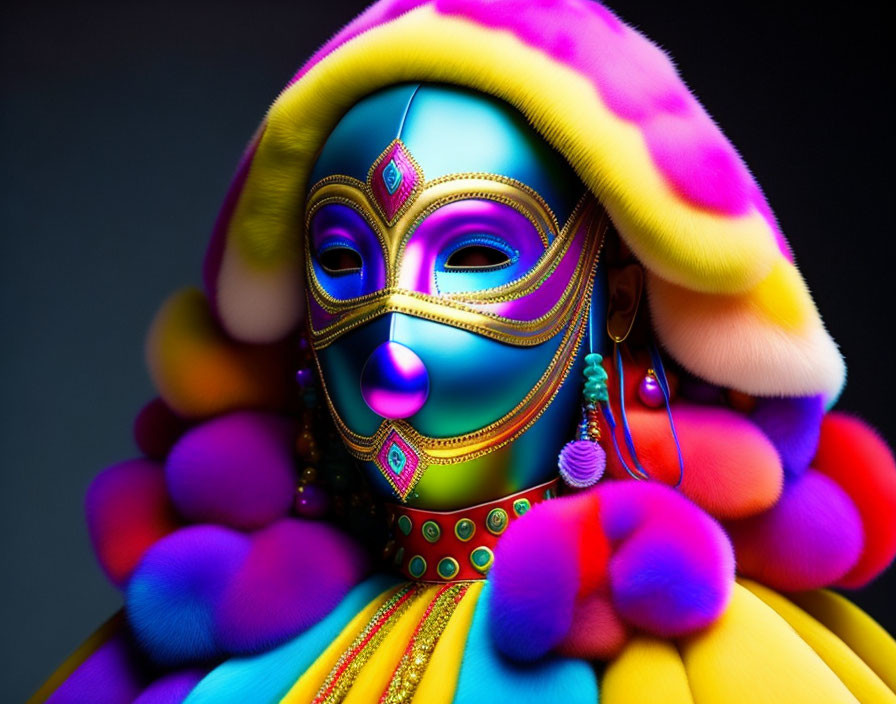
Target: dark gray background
121, 124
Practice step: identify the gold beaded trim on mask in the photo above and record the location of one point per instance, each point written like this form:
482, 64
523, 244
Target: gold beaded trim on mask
441, 450
460, 309
457, 308
441, 191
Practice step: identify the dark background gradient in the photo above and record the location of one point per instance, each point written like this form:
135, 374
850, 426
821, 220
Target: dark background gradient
121, 124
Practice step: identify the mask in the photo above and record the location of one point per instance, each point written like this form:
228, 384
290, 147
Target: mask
451, 270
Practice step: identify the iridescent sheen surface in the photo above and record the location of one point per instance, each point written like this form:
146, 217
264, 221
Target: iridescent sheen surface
649, 391
394, 381
426, 254
449, 130
338, 226
395, 374
472, 380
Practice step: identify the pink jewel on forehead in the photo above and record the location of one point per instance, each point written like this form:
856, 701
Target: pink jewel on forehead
394, 179
398, 463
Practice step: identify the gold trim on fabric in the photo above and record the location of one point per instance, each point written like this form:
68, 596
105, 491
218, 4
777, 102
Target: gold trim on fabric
409, 671
346, 670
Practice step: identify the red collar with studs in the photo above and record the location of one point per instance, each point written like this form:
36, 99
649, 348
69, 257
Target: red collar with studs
452, 546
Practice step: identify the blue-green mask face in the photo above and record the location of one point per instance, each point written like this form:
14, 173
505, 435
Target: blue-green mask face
452, 263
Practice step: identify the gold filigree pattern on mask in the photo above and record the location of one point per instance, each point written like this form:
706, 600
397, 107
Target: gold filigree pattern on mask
465, 310
441, 450
472, 311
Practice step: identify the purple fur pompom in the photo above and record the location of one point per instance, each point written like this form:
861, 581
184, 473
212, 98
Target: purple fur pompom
537, 575
794, 426
236, 469
208, 591
173, 595
808, 540
296, 572
672, 569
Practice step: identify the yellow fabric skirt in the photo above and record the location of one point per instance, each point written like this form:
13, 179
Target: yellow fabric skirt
404, 648
423, 644
765, 649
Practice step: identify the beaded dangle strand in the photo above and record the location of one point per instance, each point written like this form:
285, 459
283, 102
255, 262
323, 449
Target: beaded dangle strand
582, 461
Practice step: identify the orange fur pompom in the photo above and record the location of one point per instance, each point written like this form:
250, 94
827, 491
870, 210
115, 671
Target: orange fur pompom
200, 372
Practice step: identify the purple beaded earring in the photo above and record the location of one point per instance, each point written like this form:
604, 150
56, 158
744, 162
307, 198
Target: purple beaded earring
582, 461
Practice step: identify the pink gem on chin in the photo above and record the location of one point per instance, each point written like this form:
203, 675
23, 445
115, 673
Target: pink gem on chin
398, 462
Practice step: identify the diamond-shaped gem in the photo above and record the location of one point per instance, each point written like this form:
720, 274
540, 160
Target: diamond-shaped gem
396, 458
392, 177
399, 463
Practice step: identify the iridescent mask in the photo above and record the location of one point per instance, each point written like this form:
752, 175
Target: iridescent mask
451, 262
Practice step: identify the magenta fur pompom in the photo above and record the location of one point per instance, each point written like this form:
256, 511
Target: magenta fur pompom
128, 509
809, 539
672, 568
667, 567
236, 469
582, 463
209, 591
537, 575
294, 575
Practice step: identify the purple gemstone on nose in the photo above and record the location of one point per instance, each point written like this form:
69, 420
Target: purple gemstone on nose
394, 381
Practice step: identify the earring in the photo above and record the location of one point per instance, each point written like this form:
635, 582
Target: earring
659, 374
582, 461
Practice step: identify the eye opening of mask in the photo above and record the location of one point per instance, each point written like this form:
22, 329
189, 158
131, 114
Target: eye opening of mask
480, 254
339, 259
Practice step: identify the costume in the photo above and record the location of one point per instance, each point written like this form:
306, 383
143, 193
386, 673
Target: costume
475, 244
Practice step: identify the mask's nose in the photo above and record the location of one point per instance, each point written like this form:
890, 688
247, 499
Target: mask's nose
394, 381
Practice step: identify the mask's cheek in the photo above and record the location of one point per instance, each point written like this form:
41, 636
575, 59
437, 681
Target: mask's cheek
341, 364
473, 380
